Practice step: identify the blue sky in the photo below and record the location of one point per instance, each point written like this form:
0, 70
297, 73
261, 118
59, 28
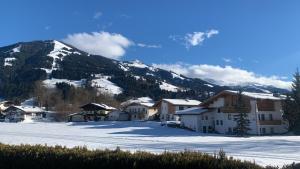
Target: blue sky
261, 37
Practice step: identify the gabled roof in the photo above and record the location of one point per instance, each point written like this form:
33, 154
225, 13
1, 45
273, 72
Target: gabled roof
262, 96
192, 111
26, 109
184, 102
145, 101
97, 106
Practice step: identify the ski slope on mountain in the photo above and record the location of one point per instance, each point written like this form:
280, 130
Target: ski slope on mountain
152, 137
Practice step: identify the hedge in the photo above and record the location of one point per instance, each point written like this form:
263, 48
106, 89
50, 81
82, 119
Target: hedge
44, 157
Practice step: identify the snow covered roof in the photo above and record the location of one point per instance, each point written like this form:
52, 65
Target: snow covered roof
27, 109
192, 111
145, 101
269, 96
98, 105
186, 102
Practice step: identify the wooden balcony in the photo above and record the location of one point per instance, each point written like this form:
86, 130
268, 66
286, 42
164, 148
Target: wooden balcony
270, 122
234, 110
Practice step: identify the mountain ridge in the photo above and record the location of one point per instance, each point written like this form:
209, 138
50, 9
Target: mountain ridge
23, 63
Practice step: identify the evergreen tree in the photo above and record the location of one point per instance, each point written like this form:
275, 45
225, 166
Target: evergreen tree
291, 105
242, 121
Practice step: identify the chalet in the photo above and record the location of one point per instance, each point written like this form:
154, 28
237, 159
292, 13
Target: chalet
23, 113
168, 107
91, 112
217, 114
140, 108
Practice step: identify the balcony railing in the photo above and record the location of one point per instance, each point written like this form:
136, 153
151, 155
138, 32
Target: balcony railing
235, 110
270, 122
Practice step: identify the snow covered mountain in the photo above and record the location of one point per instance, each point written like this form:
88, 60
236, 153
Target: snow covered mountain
54, 62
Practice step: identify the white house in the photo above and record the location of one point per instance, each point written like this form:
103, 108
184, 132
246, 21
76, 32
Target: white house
118, 115
217, 114
23, 113
140, 108
168, 107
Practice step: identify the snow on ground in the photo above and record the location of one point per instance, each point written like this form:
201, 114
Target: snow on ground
104, 85
8, 61
177, 76
59, 51
16, 49
51, 83
150, 136
209, 85
168, 87
136, 63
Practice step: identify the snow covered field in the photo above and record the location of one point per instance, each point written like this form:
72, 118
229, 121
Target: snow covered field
150, 136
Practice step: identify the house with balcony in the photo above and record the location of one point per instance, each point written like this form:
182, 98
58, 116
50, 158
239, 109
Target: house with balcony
140, 108
91, 112
168, 107
217, 114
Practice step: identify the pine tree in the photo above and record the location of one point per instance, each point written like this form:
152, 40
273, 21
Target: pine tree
291, 105
242, 121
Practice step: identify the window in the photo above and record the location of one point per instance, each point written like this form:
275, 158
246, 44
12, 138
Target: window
181, 108
272, 130
263, 130
270, 116
262, 117
229, 117
221, 122
229, 130
217, 122
202, 117
206, 117
219, 110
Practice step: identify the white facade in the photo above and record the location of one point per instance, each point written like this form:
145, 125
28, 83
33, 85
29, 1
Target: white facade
118, 116
168, 108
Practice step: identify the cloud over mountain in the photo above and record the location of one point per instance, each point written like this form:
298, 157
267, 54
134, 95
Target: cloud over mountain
107, 44
227, 75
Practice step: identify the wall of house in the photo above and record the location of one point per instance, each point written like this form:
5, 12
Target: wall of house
77, 118
151, 113
167, 111
118, 116
141, 112
276, 124
190, 121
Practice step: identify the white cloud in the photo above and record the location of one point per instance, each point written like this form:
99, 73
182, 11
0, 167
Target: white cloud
147, 45
225, 75
227, 60
107, 44
97, 15
211, 33
195, 38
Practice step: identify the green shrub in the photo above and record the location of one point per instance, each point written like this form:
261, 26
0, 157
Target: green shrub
43, 157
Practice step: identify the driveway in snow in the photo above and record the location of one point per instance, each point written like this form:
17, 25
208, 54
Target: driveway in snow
150, 136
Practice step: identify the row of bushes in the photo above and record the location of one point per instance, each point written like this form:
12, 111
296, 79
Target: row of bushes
43, 157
